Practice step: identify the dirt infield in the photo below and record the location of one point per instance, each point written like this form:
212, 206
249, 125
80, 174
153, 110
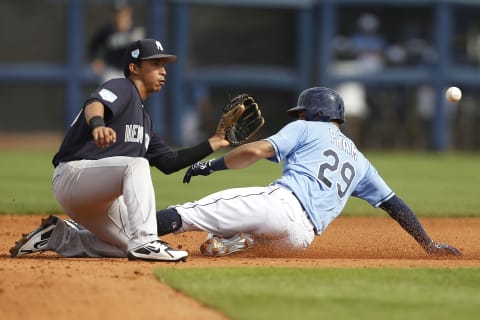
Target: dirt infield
47, 286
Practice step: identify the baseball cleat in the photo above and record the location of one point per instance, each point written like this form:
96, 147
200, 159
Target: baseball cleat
36, 240
216, 246
157, 250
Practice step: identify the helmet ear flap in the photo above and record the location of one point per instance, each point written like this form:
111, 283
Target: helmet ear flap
317, 116
341, 111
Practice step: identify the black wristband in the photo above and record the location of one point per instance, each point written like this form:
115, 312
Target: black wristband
218, 164
96, 122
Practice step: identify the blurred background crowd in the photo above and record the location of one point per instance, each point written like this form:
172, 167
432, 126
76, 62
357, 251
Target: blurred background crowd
385, 59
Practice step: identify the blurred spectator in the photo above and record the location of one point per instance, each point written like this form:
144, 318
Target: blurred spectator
363, 52
425, 103
411, 48
108, 44
473, 43
414, 116
368, 44
356, 110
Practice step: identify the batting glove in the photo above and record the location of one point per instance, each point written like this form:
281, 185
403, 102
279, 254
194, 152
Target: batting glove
196, 169
204, 168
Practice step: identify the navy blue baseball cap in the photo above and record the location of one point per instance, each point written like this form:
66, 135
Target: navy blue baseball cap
145, 49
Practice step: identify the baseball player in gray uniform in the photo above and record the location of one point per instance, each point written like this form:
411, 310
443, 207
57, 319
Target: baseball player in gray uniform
102, 169
322, 168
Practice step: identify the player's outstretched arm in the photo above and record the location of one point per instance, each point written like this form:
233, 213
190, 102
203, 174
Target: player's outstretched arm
401, 213
238, 158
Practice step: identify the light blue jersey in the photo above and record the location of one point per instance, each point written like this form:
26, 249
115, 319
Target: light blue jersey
323, 168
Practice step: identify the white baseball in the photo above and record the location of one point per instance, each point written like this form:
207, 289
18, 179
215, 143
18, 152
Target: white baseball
453, 94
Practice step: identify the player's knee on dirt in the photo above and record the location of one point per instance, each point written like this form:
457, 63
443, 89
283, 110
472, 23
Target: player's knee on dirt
168, 221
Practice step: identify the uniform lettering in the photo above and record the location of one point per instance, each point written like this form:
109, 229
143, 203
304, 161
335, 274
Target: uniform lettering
344, 144
328, 172
133, 133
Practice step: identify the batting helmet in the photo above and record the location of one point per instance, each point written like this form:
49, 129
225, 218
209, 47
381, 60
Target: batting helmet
320, 104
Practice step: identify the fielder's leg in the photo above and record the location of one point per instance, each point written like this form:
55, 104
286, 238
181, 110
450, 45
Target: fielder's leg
54, 234
91, 193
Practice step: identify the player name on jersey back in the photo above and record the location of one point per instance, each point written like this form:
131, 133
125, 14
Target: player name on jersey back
343, 143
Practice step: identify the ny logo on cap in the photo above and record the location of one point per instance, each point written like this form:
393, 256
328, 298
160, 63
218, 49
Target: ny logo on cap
159, 45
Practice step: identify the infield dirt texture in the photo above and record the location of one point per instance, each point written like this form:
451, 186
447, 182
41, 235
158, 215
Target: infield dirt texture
47, 286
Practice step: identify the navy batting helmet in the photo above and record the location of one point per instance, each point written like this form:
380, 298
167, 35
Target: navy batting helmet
320, 104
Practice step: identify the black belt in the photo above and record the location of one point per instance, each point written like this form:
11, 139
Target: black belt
298, 201
303, 208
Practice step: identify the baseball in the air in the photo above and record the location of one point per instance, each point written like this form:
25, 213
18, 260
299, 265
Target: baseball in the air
453, 94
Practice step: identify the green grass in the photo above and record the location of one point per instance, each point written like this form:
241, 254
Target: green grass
432, 184
25, 185
327, 293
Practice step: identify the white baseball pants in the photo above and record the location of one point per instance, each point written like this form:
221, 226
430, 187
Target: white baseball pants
273, 214
113, 198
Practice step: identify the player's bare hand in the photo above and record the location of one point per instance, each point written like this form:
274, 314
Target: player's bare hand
104, 136
218, 141
229, 117
442, 249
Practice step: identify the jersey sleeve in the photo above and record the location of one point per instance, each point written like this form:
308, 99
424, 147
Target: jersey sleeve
286, 140
114, 95
372, 188
156, 147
